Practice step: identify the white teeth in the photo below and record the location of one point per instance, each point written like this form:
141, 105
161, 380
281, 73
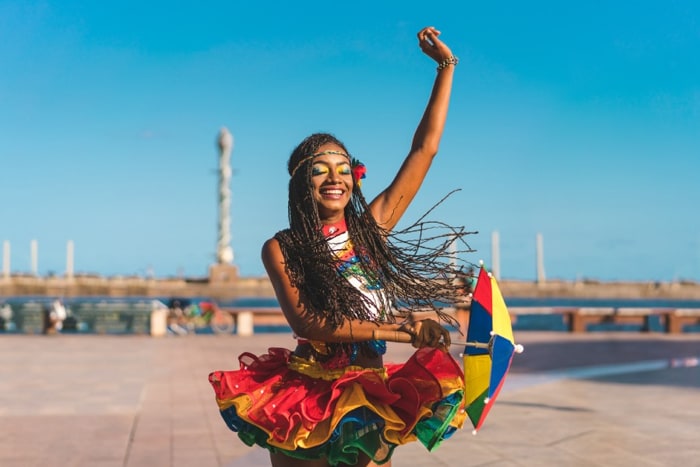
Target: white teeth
332, 192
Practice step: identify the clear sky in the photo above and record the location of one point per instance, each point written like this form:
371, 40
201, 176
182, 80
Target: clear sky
576, 120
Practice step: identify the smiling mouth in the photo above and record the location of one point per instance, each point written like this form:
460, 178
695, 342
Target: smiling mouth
331, 192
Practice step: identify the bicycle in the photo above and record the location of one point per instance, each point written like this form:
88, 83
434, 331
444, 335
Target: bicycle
200, 315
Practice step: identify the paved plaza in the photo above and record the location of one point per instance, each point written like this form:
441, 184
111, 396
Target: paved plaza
595, 399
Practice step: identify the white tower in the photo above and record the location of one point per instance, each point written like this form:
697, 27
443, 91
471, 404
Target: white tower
224, 251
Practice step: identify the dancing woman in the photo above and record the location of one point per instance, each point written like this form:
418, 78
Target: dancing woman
342, 280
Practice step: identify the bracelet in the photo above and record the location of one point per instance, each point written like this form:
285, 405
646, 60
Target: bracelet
451, 60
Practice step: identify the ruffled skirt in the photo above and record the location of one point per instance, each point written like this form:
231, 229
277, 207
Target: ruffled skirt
297, 407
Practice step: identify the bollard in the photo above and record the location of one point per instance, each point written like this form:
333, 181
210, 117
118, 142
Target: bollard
159, 322
244, 323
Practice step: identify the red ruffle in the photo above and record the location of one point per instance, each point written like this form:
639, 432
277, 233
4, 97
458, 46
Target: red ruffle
280, 400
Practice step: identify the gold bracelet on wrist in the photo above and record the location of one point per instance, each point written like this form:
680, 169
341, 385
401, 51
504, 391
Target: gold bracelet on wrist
451, 60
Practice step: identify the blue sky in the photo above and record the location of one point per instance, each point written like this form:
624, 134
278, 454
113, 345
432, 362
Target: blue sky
579, 121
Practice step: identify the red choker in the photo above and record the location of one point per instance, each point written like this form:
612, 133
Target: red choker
332, 230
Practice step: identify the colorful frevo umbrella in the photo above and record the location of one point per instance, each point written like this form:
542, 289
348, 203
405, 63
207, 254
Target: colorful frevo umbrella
489, 348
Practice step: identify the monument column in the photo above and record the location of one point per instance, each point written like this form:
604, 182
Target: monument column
224, 271
224, 252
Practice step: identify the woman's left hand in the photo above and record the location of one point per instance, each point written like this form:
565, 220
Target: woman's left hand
432, 46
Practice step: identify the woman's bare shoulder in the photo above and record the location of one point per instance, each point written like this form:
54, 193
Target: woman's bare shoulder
272, 256
271, 249
271, 242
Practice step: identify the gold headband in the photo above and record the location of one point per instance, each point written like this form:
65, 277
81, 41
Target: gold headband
340, 153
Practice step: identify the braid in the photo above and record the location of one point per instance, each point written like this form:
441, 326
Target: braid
416, 266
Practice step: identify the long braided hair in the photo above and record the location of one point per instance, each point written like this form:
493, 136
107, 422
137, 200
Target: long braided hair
416, 266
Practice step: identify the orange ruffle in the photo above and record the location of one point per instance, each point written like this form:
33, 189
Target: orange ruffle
284, 396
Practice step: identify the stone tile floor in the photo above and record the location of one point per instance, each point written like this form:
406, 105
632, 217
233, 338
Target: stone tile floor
614, 399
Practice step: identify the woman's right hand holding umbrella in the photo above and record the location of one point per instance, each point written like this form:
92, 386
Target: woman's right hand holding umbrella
427, 333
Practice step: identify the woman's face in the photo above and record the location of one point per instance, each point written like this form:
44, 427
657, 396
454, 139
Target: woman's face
331, 178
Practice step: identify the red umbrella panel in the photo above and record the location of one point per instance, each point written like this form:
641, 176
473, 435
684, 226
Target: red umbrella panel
489, 349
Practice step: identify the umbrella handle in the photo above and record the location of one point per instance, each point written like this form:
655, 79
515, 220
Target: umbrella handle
478, 345
392, 336
404, 337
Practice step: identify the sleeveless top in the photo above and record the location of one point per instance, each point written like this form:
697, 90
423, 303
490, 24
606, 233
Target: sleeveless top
337, 355
349, 267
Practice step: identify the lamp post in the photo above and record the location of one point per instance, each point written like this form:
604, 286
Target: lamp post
540, 259
6, 259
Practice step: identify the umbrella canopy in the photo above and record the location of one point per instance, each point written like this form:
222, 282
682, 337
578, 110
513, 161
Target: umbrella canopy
489, 349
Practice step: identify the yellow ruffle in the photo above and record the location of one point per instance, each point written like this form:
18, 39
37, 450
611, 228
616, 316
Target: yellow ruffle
395, 430
317, 371
352, 398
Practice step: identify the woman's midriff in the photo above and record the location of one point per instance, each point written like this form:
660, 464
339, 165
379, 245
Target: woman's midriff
306, 351
367, 362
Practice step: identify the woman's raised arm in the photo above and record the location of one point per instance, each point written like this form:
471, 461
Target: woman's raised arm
388, 207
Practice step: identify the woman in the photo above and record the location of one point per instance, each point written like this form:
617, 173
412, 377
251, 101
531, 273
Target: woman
341, 281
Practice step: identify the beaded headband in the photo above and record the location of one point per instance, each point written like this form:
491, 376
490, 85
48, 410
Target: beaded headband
340, 153
358, 168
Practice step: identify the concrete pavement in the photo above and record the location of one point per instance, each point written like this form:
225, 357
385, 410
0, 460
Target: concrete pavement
620, 399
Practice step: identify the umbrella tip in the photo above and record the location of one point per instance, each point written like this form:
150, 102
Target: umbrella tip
481, 262
519, 349
474, 432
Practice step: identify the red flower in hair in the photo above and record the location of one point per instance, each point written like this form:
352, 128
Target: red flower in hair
359, 171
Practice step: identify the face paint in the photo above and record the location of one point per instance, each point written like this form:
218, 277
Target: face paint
319, 169
331, 183
323, 169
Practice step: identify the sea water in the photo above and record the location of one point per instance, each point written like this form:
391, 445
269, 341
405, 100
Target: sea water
522, 321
